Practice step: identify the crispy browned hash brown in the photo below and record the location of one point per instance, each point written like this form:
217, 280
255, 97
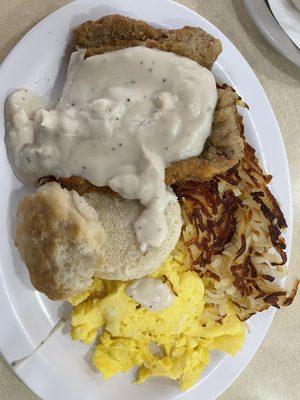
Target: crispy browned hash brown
233, 233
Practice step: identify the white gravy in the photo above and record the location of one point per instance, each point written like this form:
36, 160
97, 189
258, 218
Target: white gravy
151, 293
122, 118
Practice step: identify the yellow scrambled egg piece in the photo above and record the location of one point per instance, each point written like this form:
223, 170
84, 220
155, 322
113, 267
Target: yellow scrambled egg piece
174, 342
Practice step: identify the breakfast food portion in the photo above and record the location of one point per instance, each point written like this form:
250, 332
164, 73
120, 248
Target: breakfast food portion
225, 146
60, 239
152, 217
173, 342
125, 260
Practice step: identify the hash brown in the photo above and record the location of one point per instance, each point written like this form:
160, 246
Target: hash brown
233, 232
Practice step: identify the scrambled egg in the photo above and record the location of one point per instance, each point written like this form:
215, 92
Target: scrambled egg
174, 342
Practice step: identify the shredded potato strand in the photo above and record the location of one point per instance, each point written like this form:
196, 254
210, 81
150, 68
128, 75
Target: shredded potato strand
233, 233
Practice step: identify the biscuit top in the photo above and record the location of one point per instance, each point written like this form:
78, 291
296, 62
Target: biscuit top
60, 239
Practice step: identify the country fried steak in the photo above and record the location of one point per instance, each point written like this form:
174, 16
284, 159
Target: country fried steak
224, 148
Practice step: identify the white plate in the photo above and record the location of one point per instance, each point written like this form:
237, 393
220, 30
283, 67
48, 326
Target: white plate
288, 17
59, 369
265, 21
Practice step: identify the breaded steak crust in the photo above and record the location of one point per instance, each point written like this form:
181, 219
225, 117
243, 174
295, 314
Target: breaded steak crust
114, 32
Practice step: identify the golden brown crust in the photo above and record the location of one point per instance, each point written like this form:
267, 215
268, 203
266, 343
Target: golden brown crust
224, 148
80, 185
114, 32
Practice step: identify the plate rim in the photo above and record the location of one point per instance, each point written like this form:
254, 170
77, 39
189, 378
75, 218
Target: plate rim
270, 313
255, 9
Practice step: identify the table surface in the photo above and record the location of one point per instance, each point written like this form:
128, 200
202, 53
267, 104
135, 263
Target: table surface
273, 373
